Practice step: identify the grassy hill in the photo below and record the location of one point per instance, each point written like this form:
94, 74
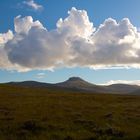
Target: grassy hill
56, 114
78, 84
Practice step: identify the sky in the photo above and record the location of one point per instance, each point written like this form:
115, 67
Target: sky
52, 40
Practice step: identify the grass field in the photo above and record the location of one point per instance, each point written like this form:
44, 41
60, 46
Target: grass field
52, 114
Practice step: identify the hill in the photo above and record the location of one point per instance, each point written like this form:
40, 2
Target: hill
78, 84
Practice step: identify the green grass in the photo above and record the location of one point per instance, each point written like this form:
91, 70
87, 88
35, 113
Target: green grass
52, 114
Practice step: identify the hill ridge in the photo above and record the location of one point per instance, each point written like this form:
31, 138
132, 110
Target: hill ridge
77, 83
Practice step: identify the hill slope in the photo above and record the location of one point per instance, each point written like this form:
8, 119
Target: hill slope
78, 84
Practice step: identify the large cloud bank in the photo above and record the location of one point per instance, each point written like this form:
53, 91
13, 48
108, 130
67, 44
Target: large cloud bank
74, 42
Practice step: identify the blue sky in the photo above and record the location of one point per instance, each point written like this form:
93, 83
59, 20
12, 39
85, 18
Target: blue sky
52, 10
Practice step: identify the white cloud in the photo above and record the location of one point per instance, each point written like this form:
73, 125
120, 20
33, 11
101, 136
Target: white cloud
41, 75
5, 37
76, 24
23, 25
32, 4
74, 42
4, 61
133, 82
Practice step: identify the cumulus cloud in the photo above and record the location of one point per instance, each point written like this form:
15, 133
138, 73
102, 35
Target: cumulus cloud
5, 37
74, 42
32, 4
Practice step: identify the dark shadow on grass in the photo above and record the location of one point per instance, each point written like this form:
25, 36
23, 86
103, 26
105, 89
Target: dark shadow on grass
32, 127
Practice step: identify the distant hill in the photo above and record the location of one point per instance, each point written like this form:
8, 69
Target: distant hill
76, 83
80, 84
30, 84
123, 88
